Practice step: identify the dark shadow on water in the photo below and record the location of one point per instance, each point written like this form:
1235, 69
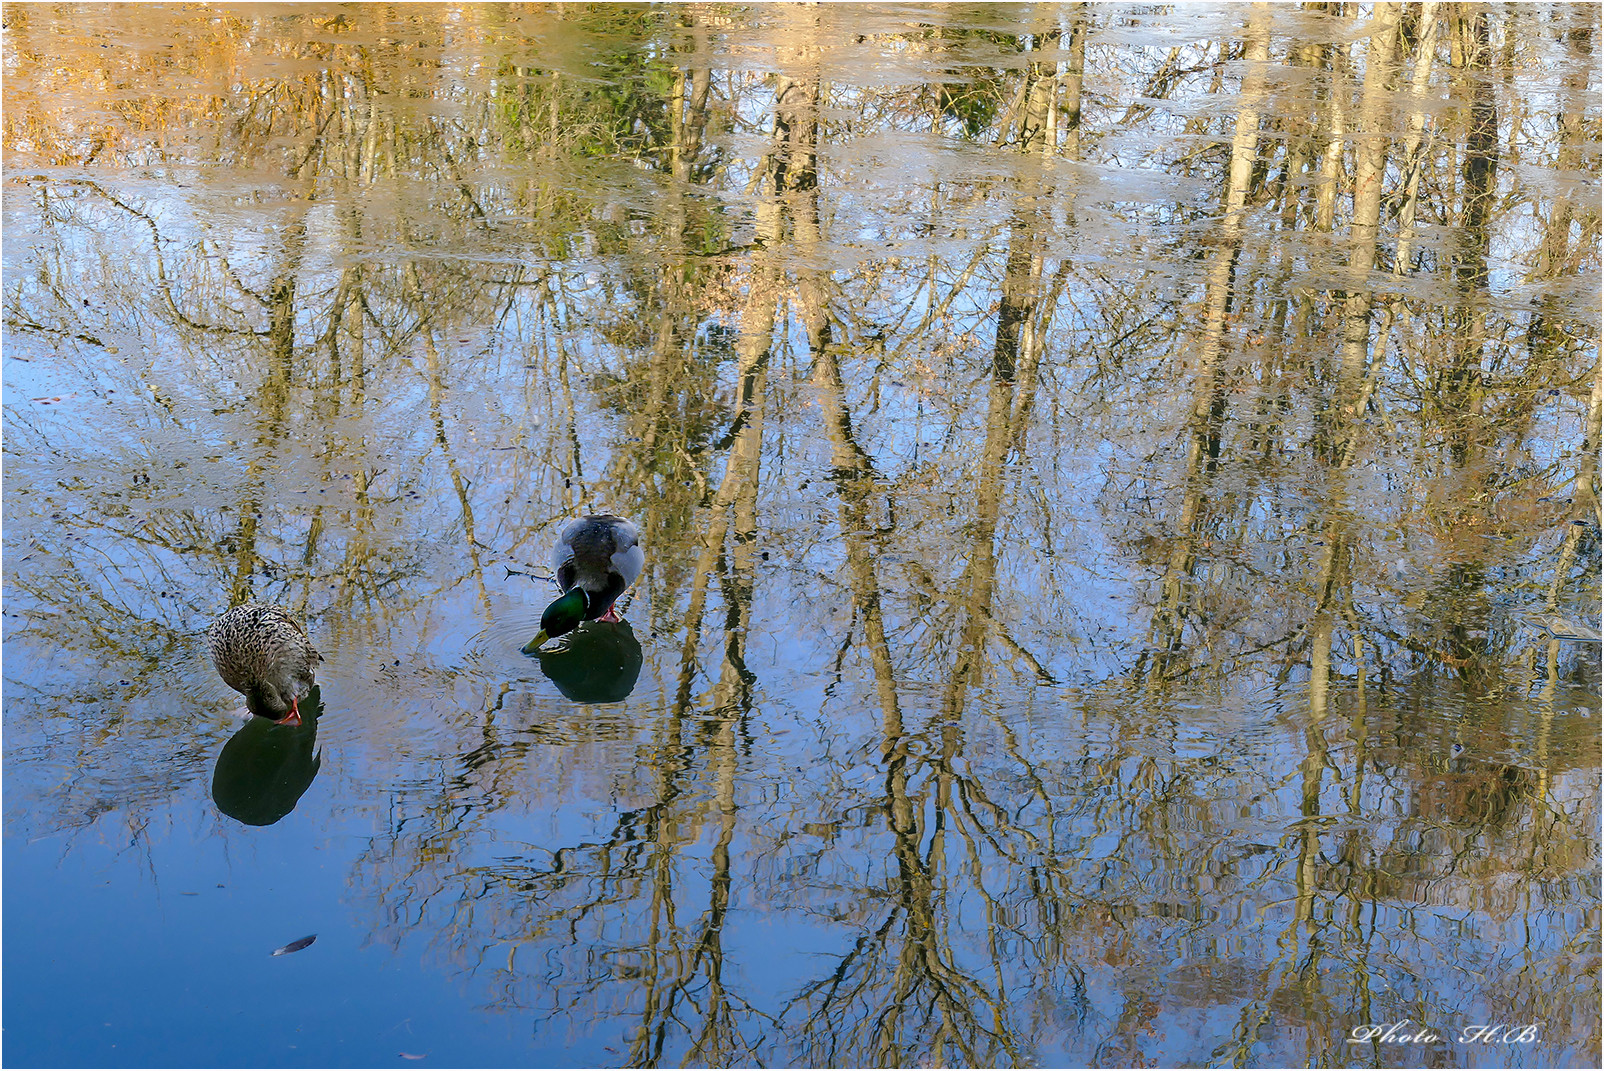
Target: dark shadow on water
265, 768
597, 663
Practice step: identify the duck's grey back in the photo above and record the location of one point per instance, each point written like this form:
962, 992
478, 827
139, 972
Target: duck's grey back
595, 546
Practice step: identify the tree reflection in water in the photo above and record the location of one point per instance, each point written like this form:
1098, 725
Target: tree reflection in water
1117, 488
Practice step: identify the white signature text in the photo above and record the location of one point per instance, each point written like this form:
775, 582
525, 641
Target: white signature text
1404, 1032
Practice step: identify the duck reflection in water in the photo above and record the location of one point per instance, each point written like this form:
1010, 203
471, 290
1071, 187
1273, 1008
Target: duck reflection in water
265, 768
598, 663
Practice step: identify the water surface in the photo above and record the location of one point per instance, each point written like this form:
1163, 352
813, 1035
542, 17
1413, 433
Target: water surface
1120, 492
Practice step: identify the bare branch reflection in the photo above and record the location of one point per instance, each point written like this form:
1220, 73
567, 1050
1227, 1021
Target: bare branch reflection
1120, 489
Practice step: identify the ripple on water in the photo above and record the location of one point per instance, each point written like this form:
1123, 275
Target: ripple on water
499, 645
590, 671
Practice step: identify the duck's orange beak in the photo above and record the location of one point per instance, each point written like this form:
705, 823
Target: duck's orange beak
293, 718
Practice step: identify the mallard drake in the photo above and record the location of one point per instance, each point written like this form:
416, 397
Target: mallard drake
595, 559
264, 654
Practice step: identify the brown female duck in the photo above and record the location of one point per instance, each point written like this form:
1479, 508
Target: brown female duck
264, 654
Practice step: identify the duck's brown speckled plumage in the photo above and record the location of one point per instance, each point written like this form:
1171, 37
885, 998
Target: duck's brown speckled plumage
264, 654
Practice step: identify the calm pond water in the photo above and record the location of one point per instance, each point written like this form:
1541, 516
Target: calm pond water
1120, 491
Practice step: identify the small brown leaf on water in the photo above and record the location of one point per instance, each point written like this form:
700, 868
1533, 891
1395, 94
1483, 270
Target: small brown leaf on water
295, 946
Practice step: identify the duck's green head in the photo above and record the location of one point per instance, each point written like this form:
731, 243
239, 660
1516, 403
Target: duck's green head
560, 618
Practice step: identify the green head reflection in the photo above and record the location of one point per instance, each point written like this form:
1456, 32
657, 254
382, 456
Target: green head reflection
599, 663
